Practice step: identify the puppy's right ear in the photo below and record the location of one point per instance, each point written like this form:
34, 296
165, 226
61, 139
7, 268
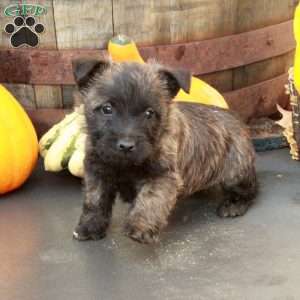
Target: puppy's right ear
85, 69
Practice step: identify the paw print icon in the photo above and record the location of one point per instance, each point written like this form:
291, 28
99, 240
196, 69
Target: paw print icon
24, 31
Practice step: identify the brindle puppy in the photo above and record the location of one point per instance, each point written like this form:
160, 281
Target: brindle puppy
152, 151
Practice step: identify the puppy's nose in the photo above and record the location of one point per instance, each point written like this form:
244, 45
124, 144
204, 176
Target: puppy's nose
126, 145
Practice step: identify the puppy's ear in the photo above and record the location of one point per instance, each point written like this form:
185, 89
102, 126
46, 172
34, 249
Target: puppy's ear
176, 80
85, 69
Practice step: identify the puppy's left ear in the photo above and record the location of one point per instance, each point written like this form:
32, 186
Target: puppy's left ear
84, 70
176, 80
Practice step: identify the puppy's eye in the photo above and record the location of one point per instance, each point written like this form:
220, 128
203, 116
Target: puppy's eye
107, 109
149, 113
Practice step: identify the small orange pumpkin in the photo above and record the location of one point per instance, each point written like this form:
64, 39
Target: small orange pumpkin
18, 143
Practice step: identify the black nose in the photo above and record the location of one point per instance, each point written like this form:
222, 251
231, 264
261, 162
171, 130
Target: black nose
126, 145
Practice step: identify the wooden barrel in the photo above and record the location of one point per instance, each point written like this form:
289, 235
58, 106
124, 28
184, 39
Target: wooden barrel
243, 48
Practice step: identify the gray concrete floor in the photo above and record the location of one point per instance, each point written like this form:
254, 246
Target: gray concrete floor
200, 257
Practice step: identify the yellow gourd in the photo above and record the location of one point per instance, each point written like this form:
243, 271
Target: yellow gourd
122, 48
297, 55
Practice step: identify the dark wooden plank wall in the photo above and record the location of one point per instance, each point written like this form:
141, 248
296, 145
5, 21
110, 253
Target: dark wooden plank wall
89, 24
69, 24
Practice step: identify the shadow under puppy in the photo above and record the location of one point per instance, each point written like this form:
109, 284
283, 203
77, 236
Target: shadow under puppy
152, 151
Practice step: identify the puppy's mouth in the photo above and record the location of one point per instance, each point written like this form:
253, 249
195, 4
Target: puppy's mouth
122, 159
111, 154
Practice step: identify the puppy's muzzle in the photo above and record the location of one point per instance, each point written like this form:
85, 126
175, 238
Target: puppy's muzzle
126, 145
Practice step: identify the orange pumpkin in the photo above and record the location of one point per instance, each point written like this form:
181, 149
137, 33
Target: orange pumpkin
18, 143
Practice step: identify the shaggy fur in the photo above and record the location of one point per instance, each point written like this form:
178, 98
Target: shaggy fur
152, 151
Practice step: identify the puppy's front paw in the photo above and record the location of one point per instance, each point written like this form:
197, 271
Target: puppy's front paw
90, 227
231, 210
140, 232
141, 236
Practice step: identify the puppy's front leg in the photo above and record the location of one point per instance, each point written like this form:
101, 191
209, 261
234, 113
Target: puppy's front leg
152, 207
97, 209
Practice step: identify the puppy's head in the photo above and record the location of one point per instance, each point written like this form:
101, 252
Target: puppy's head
127, 106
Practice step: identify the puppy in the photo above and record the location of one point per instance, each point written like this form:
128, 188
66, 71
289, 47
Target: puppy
152, 151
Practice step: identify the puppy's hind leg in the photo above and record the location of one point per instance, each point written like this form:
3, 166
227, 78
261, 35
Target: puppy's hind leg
238, 195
